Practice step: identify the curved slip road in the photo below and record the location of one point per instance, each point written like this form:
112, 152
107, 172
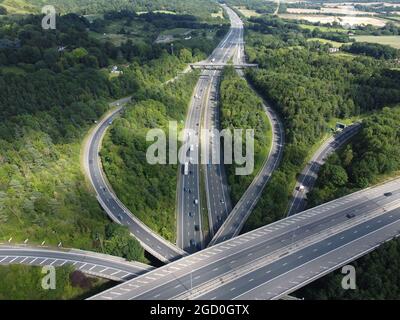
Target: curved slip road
242, 210
150, 240
100, 265
309, 175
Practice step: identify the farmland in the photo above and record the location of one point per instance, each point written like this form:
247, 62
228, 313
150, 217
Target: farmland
393, 41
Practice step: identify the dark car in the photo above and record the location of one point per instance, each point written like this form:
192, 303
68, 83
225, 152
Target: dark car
196, 228
388, 194
350, 215
191, 214
192, 243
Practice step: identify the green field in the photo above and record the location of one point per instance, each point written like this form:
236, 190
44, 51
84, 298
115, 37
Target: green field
333, 43
322, 28
393, 41
176, 31
18, 6
248, 13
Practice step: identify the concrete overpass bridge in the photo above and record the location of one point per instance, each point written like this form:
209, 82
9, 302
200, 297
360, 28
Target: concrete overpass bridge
279, 258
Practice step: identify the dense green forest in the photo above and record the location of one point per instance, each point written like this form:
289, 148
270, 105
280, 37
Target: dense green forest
241, 108
309, 87
55, 84
203, 8
19, 282
371, 155
119, 242
149, 191
375, 50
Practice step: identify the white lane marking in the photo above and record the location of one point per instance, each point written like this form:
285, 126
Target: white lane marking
12, 260
22, 261
3, 259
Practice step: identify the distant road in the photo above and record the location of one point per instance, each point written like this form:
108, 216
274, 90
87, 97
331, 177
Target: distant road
100, 265
309, 175
150, 240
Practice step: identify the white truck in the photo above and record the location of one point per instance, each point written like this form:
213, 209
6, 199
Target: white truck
186, 169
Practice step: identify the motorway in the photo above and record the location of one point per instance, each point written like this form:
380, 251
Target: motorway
309, 175
279, 258
100, 265
219, 204
189, 218
237, 217
150, 240
216, 185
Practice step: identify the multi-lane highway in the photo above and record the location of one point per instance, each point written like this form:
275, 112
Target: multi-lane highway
309, 175
189, 223
278, 258
232, 225
216, 185
189, 218
100, 265
150, 240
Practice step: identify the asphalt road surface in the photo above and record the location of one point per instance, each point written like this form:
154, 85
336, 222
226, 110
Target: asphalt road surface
242, 210
309, 175
150, 240
101, 265
189, 218
237, 217
278, 258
